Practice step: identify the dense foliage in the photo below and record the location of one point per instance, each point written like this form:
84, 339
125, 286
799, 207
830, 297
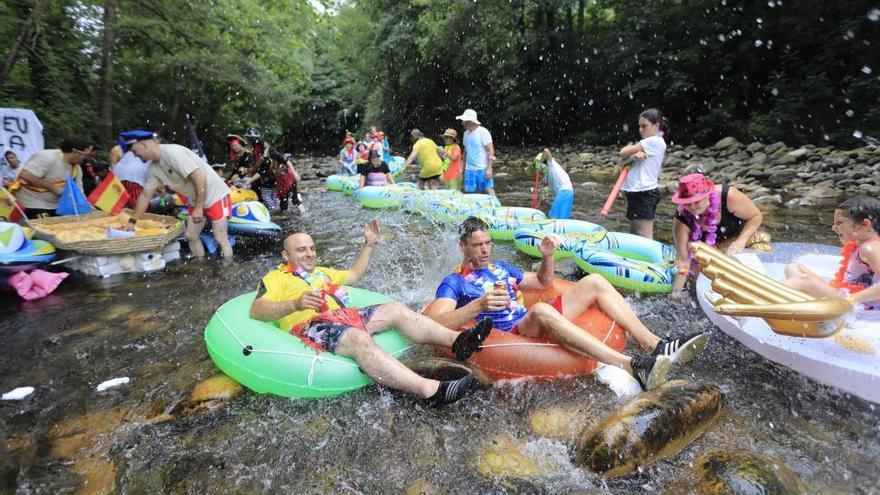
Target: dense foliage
801, 71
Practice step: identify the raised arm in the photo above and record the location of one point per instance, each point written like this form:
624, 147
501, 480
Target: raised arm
544, 276
371, 238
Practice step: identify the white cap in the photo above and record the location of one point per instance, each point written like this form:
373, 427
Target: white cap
470, 115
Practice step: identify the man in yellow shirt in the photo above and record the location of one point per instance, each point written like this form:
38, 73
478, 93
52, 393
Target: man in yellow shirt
311, 301
426, 151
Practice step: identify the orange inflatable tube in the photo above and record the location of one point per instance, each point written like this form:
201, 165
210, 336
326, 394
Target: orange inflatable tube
505, 356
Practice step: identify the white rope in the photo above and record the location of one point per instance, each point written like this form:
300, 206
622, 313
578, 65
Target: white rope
231, 332
613, 323
518, 344
298, 354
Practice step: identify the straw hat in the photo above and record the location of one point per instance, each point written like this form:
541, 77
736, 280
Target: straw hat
450, 133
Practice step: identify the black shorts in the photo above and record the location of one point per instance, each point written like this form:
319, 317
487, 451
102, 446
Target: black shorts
35, 213
326, 334
642, 205
433, 177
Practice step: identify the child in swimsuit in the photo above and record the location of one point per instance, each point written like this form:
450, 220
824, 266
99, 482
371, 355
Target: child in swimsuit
855, 223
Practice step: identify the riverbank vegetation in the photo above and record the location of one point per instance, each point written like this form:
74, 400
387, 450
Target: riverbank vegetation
536, 71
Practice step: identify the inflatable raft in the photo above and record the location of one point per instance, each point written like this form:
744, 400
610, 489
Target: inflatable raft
627, 261
849, 360
18, 252
266, 359
505, 356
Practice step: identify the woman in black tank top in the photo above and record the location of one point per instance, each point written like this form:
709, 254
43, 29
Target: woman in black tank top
719, 215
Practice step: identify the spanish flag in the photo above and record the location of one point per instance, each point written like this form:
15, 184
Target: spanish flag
8, 210
110, 195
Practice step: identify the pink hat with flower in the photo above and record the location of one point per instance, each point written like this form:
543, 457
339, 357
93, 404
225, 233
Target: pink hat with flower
692, 188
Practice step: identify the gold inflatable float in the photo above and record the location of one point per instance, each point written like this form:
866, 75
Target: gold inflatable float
746, 292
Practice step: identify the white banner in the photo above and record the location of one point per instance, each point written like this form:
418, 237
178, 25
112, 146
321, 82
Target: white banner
20, 132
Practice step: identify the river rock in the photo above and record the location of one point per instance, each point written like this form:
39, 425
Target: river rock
655, 425
214, 389
725, 143
741, 472
755, 146
773, 148
504, 457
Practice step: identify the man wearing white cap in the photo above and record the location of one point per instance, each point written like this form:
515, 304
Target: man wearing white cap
479, 155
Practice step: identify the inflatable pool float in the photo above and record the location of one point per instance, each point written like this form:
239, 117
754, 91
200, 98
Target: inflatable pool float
267, 360
627, 261
251, 218
849, 360
18, 252
395, 165
341, 182
238, 195
528, 237
505, 356
379, 196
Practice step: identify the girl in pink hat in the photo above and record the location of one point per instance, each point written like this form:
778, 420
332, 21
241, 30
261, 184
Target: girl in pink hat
719, 215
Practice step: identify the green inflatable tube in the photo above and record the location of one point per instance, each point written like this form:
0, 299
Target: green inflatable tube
267, 360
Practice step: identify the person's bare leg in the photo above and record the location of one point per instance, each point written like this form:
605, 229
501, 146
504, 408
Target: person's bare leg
220, 231
417, 328
193, 230
593, 289
644, 228
543, 319
799, 277
382, 368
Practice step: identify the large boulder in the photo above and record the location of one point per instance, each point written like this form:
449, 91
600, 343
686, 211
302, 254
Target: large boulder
740, 472
655, 425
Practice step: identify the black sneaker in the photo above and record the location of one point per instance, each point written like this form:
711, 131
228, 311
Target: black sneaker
650, 371
682, 349
468, 341
451, 391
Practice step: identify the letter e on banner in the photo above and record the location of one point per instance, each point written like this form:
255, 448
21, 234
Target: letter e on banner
20, 132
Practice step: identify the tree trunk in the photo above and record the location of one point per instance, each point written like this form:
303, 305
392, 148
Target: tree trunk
23, 37
107, 71
580, 28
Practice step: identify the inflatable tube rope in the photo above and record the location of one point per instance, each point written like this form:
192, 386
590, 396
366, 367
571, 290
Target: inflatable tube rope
505, 356
265, 359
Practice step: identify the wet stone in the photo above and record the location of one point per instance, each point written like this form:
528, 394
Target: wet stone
505, 457
655, 425
214, 389
741, 472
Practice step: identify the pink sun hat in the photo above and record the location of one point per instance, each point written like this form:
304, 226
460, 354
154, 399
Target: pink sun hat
692, 188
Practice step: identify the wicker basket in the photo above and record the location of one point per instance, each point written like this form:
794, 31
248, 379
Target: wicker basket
110, 247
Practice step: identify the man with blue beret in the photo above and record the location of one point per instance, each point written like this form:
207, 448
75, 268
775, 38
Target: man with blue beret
183, 171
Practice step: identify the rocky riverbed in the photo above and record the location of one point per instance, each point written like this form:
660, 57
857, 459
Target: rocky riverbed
771, 174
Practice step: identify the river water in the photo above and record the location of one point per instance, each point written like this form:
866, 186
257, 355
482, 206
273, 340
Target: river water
138, 438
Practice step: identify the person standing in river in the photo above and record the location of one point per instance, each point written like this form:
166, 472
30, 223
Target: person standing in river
311, 302
479, 155
186, 173
431, 165
641, 185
